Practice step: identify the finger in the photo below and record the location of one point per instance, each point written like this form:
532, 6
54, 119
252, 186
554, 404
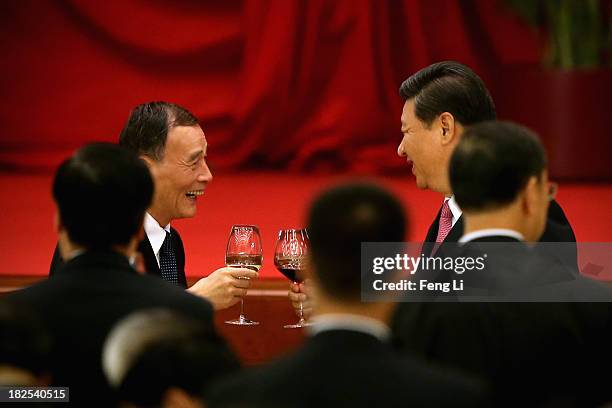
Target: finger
243, 273
295, 287
232, 302
238, 292
297, 297
241, 283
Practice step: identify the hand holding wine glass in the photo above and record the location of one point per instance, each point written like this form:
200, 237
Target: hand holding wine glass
301, 298
290, 258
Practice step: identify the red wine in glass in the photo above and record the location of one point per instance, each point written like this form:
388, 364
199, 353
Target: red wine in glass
291, 268
290, 258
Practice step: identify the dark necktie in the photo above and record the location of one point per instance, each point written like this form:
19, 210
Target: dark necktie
167, 261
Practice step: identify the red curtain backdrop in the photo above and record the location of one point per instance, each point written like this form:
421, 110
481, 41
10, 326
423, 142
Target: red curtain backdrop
305, 85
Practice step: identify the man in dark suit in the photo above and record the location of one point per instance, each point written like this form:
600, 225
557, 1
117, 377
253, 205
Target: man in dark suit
171, 142
347, 359
101, 193
534, 354
440, 101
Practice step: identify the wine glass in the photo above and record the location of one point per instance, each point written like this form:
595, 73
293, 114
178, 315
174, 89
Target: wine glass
244, 251
290, 258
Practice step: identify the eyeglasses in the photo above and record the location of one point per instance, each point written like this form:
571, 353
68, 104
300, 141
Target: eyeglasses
552, 190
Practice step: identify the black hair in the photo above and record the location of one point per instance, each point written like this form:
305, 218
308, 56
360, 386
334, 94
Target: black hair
492, 163
452, 87
147, 127
341, 219
102, 193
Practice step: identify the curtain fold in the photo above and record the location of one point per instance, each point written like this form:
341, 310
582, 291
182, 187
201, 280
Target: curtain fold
305, 85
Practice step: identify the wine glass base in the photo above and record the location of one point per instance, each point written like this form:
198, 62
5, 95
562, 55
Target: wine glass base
297, 325
242, 321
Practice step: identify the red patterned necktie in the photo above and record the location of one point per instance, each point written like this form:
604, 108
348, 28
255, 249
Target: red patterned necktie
446, 222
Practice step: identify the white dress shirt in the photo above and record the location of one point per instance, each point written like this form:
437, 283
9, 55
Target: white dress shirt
491, 232
155, 233
455, 210
352, 322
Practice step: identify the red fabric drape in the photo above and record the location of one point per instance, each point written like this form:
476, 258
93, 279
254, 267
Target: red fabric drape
297, 84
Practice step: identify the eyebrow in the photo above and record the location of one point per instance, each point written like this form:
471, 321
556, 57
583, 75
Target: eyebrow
195, 155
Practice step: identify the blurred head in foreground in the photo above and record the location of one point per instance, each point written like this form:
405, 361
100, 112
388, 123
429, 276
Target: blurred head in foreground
158, 358
340, 219
25, 348
499, 177
101, 193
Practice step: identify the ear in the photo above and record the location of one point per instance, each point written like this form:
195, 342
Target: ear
148, 161
447, 128
58, 226
530, 196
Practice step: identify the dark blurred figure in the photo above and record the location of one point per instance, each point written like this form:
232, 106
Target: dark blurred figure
347, 361
101, 193
534, 354
25, 347
158, 358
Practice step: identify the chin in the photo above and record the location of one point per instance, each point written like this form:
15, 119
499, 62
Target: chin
421, 185
187, 213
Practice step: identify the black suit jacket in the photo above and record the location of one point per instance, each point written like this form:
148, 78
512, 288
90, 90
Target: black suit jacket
82, 303
148, 255
558, 229
534, 354
341, 368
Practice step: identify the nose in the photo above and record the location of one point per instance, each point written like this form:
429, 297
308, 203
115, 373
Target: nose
400, 149
205, 175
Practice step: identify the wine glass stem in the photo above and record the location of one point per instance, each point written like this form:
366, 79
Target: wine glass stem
301, 313
241, 309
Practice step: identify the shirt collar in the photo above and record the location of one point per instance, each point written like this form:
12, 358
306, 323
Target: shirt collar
352, 322
155, 232
454, 207
489, 232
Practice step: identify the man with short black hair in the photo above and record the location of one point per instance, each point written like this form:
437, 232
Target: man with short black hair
101, 193
348, 360
440, 101
171, 142
510, 164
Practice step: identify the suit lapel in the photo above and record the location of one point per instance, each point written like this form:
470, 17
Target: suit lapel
432, 233
456, 232
150, 260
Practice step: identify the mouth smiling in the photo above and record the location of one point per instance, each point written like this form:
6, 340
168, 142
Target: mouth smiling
194, 193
